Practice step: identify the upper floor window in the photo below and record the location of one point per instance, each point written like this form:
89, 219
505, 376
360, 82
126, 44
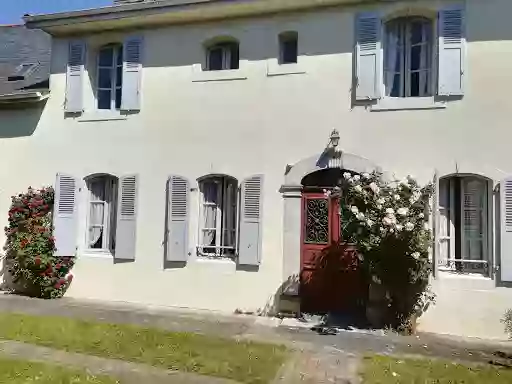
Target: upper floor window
110, 77
101, 220
288, 47
218, 218
408, 47
222, 55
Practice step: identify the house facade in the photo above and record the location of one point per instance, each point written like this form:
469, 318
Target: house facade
189, 144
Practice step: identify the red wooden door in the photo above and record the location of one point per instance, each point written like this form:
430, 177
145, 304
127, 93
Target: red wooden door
325, 284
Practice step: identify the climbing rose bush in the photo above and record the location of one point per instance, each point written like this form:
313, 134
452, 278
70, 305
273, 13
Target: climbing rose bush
30, 246
388, 222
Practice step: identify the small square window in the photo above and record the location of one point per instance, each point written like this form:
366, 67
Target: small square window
222, 56
288, 47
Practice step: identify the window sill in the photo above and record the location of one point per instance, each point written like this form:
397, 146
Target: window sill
276, 69
100, 254
225, 75
451, 274
215, 259
102, 116
406, 103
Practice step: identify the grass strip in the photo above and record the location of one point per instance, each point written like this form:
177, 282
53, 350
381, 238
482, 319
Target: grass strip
244, 361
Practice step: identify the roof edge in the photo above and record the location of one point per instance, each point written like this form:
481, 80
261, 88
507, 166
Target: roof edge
183, 11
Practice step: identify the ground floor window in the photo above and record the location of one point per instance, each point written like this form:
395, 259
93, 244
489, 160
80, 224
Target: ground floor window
218, 216
101, 221
465, 226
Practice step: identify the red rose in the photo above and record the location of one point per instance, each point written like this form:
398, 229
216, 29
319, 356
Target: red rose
70, 278
37, 261
58, 266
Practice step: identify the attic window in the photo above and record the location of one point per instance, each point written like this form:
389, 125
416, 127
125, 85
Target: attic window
22, 71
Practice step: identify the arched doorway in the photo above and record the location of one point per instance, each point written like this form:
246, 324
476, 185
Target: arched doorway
330, 281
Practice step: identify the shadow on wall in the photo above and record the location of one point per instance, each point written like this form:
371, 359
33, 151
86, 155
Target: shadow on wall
20, 120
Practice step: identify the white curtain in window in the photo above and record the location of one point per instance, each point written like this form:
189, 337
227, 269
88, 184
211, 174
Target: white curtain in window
210, 196
96, 215
392, 58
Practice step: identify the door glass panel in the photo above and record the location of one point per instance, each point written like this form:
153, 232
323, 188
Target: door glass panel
317, 221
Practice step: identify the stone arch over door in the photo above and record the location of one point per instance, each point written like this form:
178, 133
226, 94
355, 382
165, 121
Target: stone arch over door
292, 194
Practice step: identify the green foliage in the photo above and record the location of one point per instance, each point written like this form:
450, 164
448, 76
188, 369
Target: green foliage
388, 222
30, 246
507, 321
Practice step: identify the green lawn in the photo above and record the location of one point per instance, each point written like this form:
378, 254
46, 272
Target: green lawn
23, 372
246, 362
392, 370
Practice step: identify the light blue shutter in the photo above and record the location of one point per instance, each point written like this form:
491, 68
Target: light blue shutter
506, 229
126, 231
368, 56
65, 216
249, 252
452, 53
74, 77
132, 73
436, 249
178, 218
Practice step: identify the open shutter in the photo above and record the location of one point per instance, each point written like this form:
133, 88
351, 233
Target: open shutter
74, 77
506, 229
452, 43
249, 252
126, 231
65, 215
132, 73
368, 56
178, 218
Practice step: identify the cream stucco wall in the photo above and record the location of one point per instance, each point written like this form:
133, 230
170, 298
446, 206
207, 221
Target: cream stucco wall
259, 125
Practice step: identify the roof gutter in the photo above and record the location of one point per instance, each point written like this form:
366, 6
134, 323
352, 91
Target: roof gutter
139, 15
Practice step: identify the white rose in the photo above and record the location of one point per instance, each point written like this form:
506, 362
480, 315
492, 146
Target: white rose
421, 215
369, 222
391, 230
416, 255
382, 229
379, 206
374, 187
399, 227
354, 210
426, 226
381, 201
392, 218
396, 197
360, 216
356, 177
386, 221
390, 211
358, 188
409, 226
327, 193
366, 175
402, 211
347, 175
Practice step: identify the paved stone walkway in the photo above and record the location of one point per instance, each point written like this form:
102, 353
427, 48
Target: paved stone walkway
318, 358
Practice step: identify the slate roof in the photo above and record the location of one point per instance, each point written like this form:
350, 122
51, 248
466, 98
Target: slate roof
24, 60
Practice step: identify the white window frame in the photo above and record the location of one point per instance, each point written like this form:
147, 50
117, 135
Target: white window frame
450, 263
109, 215
226, 47
113, 67
388, 103
222, 216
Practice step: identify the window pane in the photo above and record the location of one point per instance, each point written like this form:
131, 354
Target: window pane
104, 99
119, 76
417, 29
106, 57
209, 239
96, 238
96, 214
396, 84
234, 56
120, 56
119, 92
415, 84
104, 78
289, 51
215, 58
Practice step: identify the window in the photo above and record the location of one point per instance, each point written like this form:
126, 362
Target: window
222, 56
101, 223
408, 48
464, 224
218, 216
110, 77
288, 47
